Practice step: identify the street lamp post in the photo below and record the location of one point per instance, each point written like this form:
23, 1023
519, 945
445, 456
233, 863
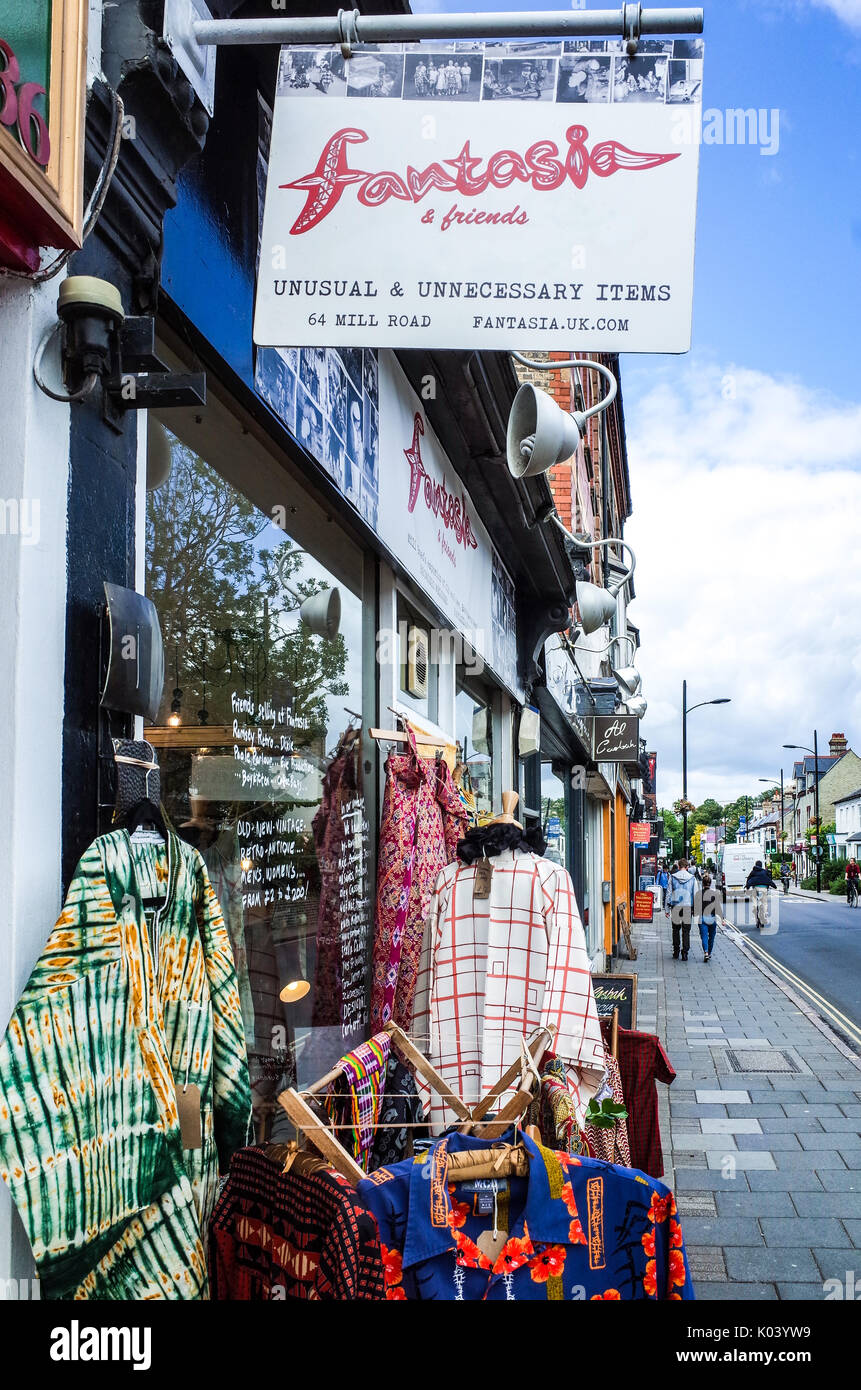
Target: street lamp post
685, 712
802, 748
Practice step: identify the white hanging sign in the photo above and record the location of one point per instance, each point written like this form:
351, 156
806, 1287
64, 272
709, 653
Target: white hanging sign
482, 196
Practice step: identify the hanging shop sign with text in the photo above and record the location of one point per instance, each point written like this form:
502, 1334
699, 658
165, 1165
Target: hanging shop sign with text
43, 53
428, 521
615, 738
469, 195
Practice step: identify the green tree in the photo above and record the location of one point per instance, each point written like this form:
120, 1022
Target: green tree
710, 813
672, 831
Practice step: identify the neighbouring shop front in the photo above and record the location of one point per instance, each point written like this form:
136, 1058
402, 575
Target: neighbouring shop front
328, 899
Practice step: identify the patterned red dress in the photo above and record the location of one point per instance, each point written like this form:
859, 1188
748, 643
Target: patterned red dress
423, 819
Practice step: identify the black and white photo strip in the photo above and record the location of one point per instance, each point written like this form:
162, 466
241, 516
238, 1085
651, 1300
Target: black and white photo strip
455, 76
576, 71
329, 400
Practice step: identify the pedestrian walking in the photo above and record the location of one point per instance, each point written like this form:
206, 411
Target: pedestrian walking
682, 889
708, 908
760, 880
853, 874
662, 881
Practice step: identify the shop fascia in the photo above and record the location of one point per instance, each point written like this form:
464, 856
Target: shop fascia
43, 77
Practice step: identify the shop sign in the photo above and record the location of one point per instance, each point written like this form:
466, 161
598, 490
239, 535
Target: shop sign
615, 737
641, 832
469, 195
617, 992
428, 521
644, 906
42, 89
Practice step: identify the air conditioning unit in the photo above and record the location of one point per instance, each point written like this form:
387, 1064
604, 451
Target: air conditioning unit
417, 662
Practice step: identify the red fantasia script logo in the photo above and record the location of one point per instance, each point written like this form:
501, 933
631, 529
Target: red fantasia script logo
542, 167
451, 510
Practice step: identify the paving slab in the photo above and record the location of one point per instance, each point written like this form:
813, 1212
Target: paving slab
800, 1230
723, 1097
793, 1263
853, 1228
723, 1231
759, 1204
727, 1126
737, 1293
744, 1161
800, 1293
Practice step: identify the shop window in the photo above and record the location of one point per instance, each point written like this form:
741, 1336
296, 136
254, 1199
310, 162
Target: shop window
474, 734
258, 738
554, 822
418, 680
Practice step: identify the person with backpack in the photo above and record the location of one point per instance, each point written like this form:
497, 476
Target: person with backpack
680, 897
709, 904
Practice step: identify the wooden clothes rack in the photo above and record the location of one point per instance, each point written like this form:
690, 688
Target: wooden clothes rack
503, 1160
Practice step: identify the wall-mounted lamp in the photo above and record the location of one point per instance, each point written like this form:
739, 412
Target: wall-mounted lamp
99, 342
540, 433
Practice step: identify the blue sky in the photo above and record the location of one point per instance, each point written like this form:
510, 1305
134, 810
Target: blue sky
745, 454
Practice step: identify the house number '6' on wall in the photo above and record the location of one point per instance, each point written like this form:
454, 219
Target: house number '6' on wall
17, 109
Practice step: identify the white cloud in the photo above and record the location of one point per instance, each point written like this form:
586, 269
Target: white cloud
747, 520
849, 11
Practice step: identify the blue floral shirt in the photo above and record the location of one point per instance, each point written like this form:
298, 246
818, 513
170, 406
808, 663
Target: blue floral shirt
576, 1228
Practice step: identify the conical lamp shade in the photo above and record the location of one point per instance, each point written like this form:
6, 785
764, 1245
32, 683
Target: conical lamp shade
322, 613
540, 434
596, 605
629, 679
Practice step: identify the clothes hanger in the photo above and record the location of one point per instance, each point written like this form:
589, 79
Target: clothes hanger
145, 812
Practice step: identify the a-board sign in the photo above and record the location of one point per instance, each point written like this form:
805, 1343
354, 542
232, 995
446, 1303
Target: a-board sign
644, 906
617, 992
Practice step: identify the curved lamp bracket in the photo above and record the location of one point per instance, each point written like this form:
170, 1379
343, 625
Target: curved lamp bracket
581, 416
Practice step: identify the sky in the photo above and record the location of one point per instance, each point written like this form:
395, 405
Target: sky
745, 454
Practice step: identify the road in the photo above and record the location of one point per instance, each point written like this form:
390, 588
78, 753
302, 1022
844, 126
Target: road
817, 950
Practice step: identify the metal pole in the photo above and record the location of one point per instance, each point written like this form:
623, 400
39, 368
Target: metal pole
780, 834
816, 812
352, 27
684, 769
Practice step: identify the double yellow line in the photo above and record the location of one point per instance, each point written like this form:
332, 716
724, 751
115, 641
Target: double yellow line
819, 1002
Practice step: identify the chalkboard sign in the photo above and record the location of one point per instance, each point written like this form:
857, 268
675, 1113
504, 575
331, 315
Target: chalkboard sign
617, 992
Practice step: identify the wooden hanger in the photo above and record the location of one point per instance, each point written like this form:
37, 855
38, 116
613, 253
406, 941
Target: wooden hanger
509, 801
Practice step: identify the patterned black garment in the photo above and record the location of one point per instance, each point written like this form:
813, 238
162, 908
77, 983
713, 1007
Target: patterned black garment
296, 1235
400, 1106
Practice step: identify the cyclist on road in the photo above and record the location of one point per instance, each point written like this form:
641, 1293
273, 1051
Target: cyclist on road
760, 880
784, 877
853, 878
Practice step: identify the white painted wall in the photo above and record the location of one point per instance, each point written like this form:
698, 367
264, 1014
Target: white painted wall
34, 464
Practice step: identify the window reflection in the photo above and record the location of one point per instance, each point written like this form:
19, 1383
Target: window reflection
261, 763
474, 733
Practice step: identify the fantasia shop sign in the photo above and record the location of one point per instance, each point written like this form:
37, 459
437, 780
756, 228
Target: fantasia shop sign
385, 176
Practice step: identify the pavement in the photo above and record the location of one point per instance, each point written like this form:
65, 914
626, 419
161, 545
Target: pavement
762, 1126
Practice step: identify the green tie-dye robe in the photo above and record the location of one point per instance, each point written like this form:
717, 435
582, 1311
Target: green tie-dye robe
116, 1015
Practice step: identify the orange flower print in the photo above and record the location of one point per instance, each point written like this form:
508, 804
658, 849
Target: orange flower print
677, 1269
468, 1253
576, 1235
393, 1266
459, 1212
567, 1195
549, 1264
675, 1234
649, 1241
650, 1282
567, 1160
514, 1254
396, 1294
659, 1210
608, 1293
